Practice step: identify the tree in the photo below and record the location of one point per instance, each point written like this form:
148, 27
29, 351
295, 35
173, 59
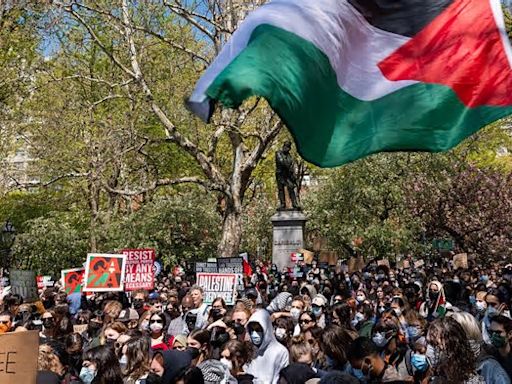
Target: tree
132, 36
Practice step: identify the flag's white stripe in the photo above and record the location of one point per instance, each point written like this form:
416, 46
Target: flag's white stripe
353, 46
499, 17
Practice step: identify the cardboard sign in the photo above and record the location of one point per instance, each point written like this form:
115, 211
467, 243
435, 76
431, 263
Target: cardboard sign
218, 285
419, 264
24, 284
460, 261
383, 262
140, 272
44, 282
207, 267
230, 265
72, 280
18, 357
80, 328
406, 264
308, 256
104, 272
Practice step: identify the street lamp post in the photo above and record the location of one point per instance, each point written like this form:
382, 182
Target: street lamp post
8, 236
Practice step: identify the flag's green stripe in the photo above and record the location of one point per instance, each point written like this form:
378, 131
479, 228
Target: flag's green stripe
330, 126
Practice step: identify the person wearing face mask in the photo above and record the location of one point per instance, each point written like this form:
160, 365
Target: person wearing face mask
160, 340
100, 366
365, 321
296, 308
391, 343
435, 305
318, 307
450, 355
235, 356
487, 365
139, 299
271, 356
283, 330
500, 331
93, 334
112, 333
480, 305
134, 361
198, 346
369, 365
49, 329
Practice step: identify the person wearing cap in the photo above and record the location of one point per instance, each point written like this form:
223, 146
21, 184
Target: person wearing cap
318, 307
129, 317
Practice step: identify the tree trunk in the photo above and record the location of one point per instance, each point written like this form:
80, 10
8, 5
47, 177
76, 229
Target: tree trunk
229, 245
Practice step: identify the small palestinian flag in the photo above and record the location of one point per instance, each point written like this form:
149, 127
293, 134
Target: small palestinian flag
354, 77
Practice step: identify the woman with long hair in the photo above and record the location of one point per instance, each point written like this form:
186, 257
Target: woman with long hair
135, 359
160, 340
234, 356
450, 354
198, 345
101, 366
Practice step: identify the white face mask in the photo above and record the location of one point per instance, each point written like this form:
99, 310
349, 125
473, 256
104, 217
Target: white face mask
226, 363
295, 312
360, 298
156, 327
280, 333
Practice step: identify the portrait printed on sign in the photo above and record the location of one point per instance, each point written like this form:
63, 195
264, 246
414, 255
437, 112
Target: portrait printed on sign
72, 280
104, 272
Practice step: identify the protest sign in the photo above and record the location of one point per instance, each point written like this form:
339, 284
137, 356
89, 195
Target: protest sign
24, 284
230, 265
419, 264
104, 272
406, 264
308, 256
72, 280
140, 272
460, 261
207, 267
296, 257
384, 263
44, 281
80, 328
18, 357
218, 285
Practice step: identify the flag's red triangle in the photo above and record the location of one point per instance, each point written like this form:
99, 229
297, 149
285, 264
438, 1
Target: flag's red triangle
463, 49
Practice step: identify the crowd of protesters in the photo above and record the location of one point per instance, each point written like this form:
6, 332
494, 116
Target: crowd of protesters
429, 324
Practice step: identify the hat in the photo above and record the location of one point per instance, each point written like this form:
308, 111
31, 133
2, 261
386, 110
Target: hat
154, 296
128, 315
180, 340
319, 300
251, 292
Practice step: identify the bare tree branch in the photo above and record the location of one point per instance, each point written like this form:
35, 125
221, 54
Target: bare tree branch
159, 183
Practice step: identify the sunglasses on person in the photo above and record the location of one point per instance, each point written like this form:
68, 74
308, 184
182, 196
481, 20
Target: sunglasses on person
5, 322
305, 321
159, 321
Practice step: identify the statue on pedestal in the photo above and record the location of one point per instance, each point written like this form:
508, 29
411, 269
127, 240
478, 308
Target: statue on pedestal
286, 177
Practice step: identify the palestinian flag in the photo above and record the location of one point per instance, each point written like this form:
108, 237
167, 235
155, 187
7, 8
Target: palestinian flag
354, 77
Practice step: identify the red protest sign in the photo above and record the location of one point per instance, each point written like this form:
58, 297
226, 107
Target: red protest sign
72, 280
139, 269
104, 272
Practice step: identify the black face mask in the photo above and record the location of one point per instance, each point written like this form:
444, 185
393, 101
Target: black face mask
153, 378
173, 313
193, 352
216, 315
48, 304
138, 304
433, 295
49, 323
93, 328
238, 329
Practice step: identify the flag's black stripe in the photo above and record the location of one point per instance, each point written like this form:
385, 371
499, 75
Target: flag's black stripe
404, 17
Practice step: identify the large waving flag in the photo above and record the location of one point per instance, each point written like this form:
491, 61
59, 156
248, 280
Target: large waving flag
354, 77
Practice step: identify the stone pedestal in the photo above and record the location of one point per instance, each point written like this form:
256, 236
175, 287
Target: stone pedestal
287, 236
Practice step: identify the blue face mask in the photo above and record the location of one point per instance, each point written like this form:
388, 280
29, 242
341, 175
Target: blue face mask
472, 300
491, 311
419, 362
256, 338
413, 332
317, 311
380, 340
87, 375
484, 278
358, 374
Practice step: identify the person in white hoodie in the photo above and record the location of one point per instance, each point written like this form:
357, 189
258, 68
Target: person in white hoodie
271, 356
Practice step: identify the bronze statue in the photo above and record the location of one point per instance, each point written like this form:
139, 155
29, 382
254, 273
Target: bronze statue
285, 176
